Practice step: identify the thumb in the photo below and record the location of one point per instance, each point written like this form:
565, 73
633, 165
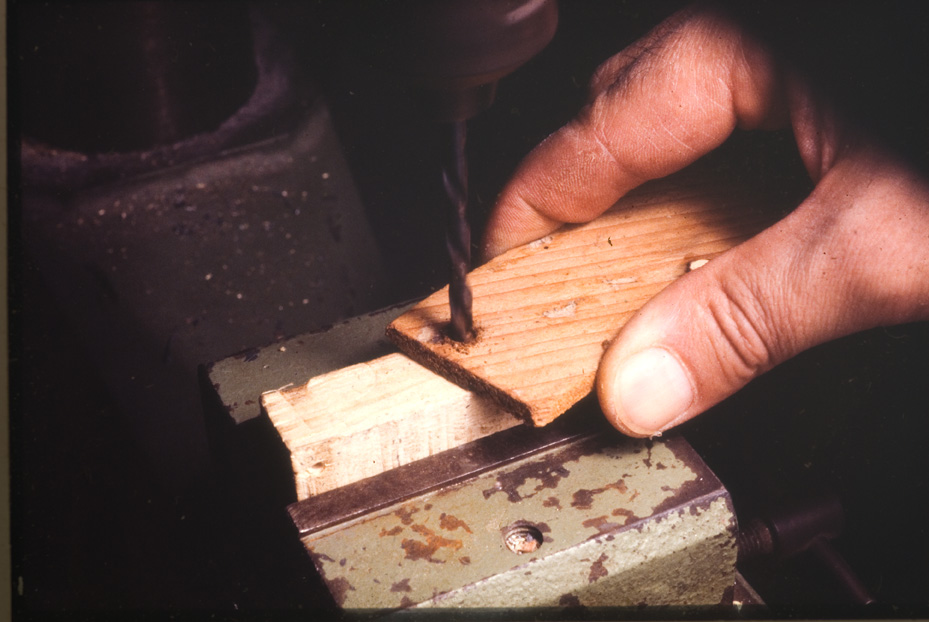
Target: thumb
852, 256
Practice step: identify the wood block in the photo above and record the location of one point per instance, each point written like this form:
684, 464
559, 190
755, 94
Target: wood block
362, 420
544, 312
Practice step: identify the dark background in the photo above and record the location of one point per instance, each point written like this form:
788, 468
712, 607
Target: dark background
96, 530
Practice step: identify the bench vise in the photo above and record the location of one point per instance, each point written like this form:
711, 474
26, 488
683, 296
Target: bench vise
573, 514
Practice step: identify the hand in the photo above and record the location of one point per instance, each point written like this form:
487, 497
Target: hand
852, 256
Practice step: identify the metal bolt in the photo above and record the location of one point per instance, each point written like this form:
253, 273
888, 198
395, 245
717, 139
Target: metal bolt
522, 539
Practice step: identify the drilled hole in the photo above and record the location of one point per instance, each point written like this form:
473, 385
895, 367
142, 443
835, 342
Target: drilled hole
523, 539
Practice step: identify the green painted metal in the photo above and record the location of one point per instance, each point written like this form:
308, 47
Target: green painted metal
624, 523
239, 380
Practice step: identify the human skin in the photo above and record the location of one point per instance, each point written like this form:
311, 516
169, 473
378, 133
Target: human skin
853, 255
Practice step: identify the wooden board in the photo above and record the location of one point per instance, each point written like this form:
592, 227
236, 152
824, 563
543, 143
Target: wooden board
545, 312
364, 419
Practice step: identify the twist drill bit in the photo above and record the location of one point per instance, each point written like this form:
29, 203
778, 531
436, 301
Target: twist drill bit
458, 233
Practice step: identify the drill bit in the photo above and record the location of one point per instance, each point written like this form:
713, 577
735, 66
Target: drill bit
458, 232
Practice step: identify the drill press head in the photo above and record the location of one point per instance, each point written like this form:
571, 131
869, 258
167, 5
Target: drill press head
453, 52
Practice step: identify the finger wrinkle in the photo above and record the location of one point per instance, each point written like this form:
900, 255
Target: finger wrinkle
739, 313
598, 136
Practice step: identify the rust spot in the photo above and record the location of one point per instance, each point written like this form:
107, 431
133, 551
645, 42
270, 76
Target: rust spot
660, 466
405, 514
392, 531
548, 470
583, 499
401, 586
552, 502
597, 570
601, 524
416, 550
509, 483
465, 560
427, 507
705, 486
338, 587
451, 523
342, 561
569, 600
628, 514
406, 602
424, 550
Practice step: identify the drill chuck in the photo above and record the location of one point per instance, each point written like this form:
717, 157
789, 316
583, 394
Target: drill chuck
453, 52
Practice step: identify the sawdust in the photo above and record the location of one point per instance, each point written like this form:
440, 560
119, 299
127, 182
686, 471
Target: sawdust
540, 242
561, 312
616, 284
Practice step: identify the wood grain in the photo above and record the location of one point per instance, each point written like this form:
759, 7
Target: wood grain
545, 312
364, 419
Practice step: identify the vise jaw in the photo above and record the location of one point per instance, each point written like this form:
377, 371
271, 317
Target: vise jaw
569, 515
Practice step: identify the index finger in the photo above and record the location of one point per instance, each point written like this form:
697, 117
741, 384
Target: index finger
672, 97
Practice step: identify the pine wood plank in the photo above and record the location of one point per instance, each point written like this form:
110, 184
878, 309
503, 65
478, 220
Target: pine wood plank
545, 312
364, 419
